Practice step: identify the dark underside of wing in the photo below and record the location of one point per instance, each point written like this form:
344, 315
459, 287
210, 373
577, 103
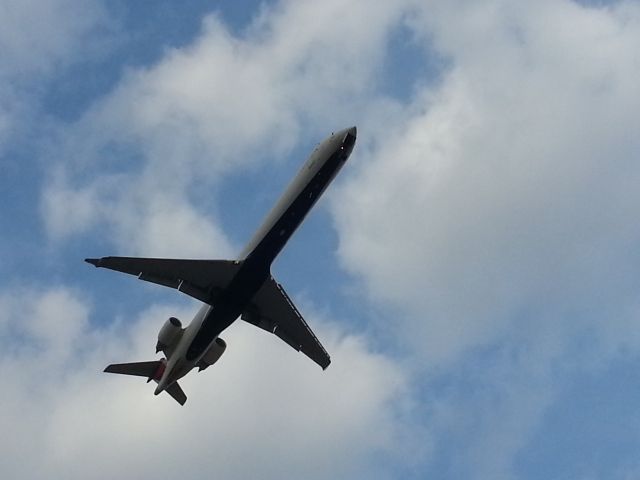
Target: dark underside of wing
200, 279
272, 310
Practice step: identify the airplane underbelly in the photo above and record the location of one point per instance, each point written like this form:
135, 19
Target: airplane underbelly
219, 318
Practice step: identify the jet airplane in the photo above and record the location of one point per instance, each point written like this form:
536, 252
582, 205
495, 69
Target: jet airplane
243, 287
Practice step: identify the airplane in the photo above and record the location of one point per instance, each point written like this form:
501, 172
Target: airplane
231, 289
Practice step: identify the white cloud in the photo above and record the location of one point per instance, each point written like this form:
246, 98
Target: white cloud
128, 168
157, 222
509, 195
263, 410
38, 40
37, 36
496, 224
493, 216
218, 105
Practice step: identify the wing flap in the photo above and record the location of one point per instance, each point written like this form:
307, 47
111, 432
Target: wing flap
200, 279
272, 310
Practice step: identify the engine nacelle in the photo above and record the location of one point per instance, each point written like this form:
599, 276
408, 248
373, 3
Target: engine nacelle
214, 353
168, 333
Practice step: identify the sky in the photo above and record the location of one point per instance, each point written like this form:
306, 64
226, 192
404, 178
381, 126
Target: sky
473, 271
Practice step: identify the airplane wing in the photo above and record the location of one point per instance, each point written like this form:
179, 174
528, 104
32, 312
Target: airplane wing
272, 310
201, 279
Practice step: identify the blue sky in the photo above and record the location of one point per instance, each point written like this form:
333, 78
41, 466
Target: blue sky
472, 271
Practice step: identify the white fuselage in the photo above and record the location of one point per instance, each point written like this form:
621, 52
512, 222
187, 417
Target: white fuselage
315, 175
177, 364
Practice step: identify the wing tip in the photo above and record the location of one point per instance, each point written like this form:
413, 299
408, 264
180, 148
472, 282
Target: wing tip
93, 261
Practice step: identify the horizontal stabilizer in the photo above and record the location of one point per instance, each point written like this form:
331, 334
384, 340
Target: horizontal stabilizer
150, 370
176, 392
139, 369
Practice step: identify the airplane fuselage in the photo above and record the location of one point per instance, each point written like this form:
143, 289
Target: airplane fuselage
256, 258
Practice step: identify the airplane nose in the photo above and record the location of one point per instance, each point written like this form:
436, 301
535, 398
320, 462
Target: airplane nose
349, 140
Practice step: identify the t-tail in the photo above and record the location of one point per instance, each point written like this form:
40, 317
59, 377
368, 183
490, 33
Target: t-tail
152, 371
241, 288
